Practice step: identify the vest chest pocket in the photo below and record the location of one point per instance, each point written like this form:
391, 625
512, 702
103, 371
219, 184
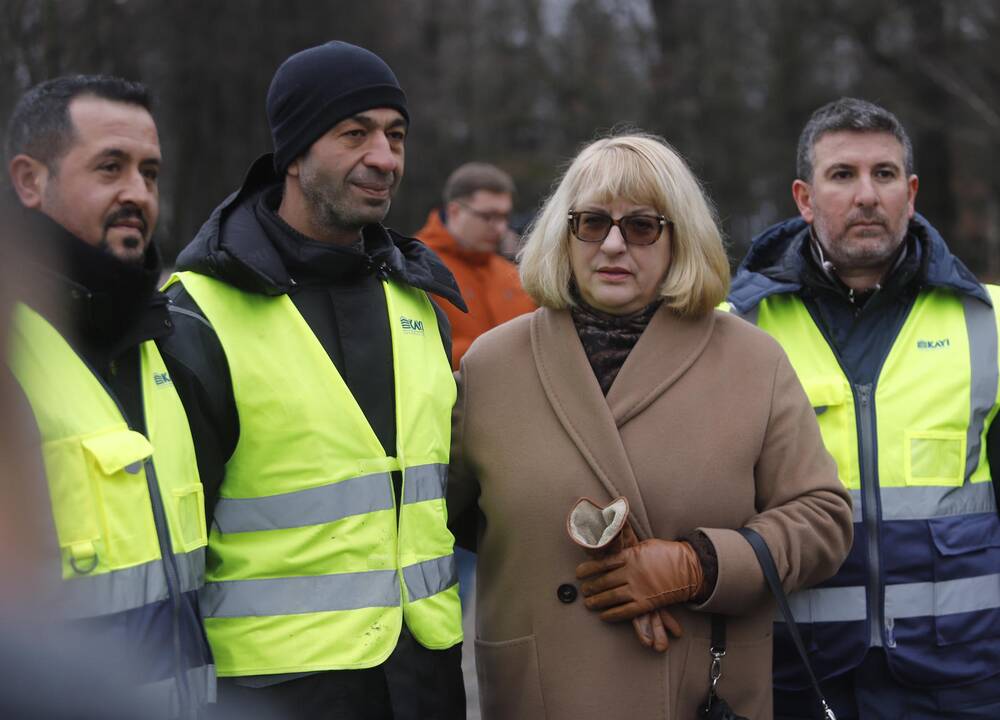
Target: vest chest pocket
835, 415
120, 497
934, 458
188, 525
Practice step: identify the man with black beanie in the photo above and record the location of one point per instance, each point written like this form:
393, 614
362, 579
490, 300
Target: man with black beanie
320, 394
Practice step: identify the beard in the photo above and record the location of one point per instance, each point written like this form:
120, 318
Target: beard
132, 248
871, 247
332, 203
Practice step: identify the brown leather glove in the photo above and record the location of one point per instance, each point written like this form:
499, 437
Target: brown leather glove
640, 579
603, 531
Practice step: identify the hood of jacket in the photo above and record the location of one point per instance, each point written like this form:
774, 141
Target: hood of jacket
775, 264
233, 247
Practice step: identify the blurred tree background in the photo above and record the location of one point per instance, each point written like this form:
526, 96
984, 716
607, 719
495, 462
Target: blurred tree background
523, 83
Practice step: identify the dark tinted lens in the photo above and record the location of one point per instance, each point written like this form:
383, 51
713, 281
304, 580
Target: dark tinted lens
641, 230
592, 227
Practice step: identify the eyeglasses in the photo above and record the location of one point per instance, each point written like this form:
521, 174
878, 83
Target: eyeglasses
593, 227
489, 217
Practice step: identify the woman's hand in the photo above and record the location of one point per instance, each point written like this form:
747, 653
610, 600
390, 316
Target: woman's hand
653, 628
641, 579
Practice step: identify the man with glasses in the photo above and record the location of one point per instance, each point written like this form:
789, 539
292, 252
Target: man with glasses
466, 234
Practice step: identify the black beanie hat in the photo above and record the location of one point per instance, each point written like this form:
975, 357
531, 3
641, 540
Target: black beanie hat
315, 89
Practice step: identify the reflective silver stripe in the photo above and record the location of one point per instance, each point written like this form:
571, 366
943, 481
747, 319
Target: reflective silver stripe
130, 588
430, 577
296, 595
116, 591
847, 604
855, 505
162, 698
981, 327
836, 604
315, 506
923, 503
191, 569
943, 598
425, 482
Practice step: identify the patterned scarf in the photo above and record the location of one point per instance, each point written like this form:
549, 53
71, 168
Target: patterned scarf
608, 339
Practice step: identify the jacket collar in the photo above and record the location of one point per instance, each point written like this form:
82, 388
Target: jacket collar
663, 354
233, 246
775, 264
103, 305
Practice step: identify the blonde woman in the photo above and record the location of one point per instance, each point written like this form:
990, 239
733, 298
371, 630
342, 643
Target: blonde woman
627, 383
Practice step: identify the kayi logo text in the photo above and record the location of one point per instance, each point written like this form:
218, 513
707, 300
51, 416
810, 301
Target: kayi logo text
162, 379
933, 344
414, 327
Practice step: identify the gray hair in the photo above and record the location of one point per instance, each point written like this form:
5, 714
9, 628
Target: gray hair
853, 115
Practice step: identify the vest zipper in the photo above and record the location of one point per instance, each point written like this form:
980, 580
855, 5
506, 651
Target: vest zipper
871, 501
162, 537
870, 505
173, 584
184, 699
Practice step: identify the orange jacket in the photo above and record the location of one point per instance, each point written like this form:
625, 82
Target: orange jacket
489, 284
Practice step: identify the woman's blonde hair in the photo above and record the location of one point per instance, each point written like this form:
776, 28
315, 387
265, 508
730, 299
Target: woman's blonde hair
645, 170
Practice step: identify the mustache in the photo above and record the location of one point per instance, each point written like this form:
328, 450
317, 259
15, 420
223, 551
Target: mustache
867, 216
374, 178
127, 212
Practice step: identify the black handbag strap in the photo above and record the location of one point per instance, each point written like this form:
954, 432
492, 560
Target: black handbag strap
763, 554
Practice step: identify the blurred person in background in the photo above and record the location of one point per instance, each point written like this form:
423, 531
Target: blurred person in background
466, 233
83, 157
895, 342
623, 385
322, 403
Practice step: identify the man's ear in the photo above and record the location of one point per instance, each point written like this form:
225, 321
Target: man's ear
29, 178
802, 193
451, 209
912, 185
293, 167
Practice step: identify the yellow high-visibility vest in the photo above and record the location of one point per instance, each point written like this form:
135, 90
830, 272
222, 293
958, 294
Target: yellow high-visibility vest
307, 567
106, 481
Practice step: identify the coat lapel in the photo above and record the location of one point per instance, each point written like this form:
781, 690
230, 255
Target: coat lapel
572, 390
665, 351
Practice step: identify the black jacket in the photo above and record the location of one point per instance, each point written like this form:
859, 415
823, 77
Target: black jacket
337, 291
104, 308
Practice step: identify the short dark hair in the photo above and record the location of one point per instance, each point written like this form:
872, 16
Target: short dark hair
40, 125
471, 177
854, 115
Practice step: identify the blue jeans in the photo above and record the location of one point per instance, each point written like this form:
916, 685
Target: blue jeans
870, 692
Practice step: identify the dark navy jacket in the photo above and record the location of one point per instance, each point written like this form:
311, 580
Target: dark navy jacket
861, 330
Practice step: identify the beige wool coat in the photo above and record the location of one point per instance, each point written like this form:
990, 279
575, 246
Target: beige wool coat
706, 427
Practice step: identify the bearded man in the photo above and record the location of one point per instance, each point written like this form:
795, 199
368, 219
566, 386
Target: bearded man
321, 413
895, 342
